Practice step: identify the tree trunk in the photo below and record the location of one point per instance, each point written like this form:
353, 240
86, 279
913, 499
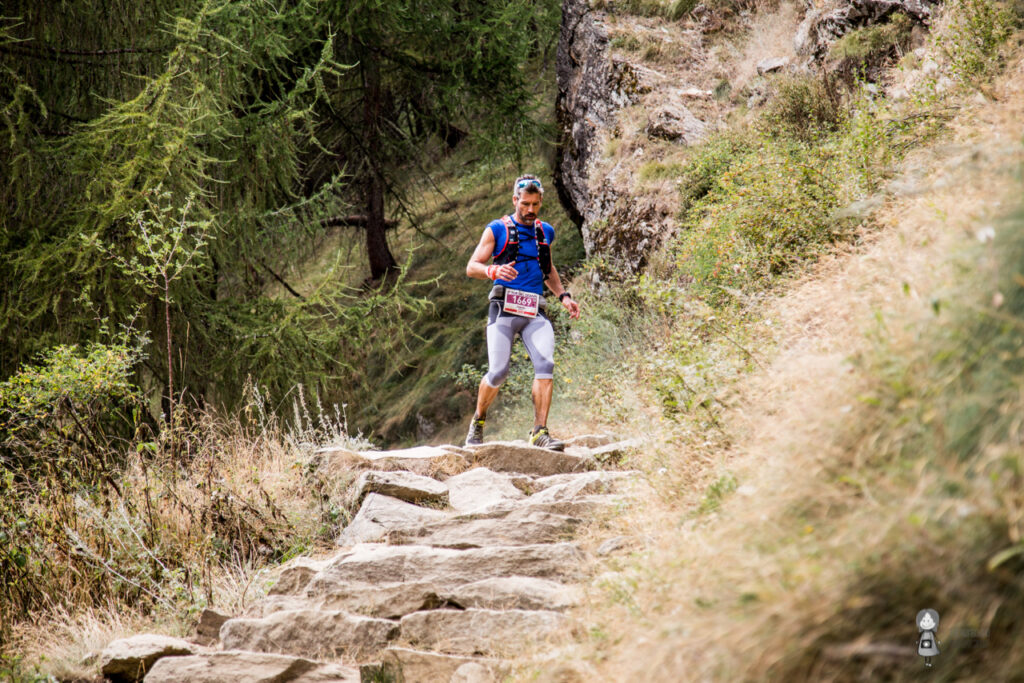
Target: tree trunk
381, 260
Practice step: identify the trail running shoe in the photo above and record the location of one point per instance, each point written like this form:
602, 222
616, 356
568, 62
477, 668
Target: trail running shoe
476, 433
543, 439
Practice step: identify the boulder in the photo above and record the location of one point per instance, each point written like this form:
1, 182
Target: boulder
128, 659
772, 64
520, 527
309, 631
480, 488
208, 628
295, 575
673, 121
514, 592
482, 631
412, 488
381, 514
519, 457
248, 667
417, 666
383, 564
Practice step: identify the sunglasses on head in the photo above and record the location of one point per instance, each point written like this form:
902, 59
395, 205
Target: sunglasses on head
525, 183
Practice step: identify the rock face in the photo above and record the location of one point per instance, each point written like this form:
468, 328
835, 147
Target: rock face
465, 568
822, 27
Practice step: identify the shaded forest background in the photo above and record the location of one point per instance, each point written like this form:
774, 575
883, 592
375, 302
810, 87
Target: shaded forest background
164, 163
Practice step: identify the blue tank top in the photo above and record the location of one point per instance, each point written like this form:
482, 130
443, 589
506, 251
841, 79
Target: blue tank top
531, 277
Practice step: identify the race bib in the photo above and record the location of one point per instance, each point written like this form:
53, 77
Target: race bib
521, 303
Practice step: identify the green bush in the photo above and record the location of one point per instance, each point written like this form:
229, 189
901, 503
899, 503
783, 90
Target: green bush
803, 107
770, 209
865, 43
977, 30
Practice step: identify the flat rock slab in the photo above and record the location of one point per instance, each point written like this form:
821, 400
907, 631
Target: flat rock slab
417, 666
384, 564
483, 631
517, 456
296, 575
430, 461
412, 488
248, 667
381, 600
379, 515
525, 526
562, 487
128, 659
514, 592
316, 632
479, 489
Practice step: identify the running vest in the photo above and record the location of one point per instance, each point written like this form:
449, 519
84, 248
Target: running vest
509, 252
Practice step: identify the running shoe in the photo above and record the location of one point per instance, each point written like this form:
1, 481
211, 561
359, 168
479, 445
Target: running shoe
476, 432
543, 439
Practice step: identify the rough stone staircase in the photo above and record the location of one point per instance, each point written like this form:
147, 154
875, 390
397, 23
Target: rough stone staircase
457, 561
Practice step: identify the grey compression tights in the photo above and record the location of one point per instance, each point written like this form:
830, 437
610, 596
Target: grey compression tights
538, 337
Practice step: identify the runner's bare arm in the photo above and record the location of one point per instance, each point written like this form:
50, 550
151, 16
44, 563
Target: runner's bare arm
477, 266
554, 281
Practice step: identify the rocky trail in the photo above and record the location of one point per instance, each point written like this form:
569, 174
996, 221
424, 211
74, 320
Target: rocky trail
457, 562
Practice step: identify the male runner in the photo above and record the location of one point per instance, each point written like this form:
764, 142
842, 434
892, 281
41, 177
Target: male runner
520, 246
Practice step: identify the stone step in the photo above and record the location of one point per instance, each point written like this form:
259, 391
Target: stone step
380, 514
430, 461
518, 456
481, 488
248, 667
405, 665
483, 631
412, 488
373, 563
311, 632
128, 659
514, 592
521, 526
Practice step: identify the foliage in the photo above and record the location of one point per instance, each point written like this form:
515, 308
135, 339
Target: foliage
976, 31
867, 42
61, 414
771, 209
150, 534
803, 107
255, 117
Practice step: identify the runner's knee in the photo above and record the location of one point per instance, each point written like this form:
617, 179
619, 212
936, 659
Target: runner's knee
496, 376
544, 368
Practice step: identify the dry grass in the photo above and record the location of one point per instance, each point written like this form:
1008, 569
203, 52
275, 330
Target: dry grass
770, 35
756, 586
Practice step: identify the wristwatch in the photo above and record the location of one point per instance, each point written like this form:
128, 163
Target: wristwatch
561, 297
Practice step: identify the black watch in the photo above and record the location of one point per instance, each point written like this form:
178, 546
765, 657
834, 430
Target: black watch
561, 297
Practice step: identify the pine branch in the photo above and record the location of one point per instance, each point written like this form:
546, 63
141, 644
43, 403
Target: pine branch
281, 280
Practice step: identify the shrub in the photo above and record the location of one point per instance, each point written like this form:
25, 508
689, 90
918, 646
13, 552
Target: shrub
770, 209
868, 42
976, 31
803, 107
